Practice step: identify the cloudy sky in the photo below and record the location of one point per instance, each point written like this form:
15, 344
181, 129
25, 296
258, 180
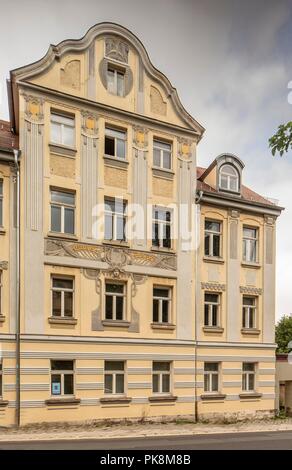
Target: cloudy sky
230, 61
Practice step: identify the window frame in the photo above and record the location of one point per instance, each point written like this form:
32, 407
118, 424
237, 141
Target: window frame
160, 373
230, 178
161, 224
62, 290
114, 373
249, 312
114, 304
63, 207
115, 139
156, 146
212, 234
210, 309
1, 291
62, 125
211, 374
246, 376
114, 217
1, 202
62, 382
116, 70
168, 299
248, 239
1, 379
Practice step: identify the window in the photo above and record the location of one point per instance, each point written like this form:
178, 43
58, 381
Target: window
62, 297
249, 312
211, 377
62, 130
115, 81
62, 212
62, 378
248, 377
1, 379
161, 377
161, 228
161, 304
212, 238
114, 377
114, 301
115, 143
228, 178
1, 286
115, 219
1, 203
211, 309
250, 244
161, 155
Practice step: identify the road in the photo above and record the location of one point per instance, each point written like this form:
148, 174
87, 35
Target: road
275, 440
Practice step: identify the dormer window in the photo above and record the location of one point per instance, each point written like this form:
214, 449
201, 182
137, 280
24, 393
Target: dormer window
228, 178
115, 81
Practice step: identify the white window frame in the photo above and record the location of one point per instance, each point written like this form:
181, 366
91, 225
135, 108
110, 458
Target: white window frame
249, 312
115, 138
62, 373
160, 374
116, 71
247, 242
168, 299
115, 295
156, 146
229, 178
114, 373
62, 290
115, 215
210, 309
211, 374
211, 234
245, 378
63, 207
161, 225
2, 202
62, 121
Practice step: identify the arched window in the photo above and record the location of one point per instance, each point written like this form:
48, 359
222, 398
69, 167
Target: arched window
228, 178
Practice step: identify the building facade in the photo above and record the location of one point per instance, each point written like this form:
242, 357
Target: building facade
146, 284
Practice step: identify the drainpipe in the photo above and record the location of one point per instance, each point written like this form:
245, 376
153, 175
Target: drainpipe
17, 333
197, 241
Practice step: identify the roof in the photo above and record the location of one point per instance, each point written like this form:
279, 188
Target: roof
247, 194
8, 140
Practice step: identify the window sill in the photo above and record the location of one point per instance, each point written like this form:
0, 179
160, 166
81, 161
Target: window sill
63, 150
62, 401
115, 400
162, 173
213, 259
213, 329
162, 250
3, 403
2, 318
65, 236
62, 321
213, 396
115, 162
250, 331
249, 395
163, 326
162, 398
116, 323
246, 264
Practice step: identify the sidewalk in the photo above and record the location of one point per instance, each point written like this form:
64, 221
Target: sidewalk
128, 430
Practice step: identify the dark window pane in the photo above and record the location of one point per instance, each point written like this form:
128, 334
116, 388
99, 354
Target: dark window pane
248, 301
206, 315
211, 366
161, 366
69, 221
56, 384
251, 381
155, 310
56, 304
61, 365
114, 365
216, 245
114, 288
68, 304
206, 383
55, 219
214, 315
215, 383
63, 283
119, 308
244, 320
157, 292
108, 383
165, 311
166, 240
109, 146
109, 307
155, 240
165, 383
68, 384
155, 383
248, 366
120, 383
207, 245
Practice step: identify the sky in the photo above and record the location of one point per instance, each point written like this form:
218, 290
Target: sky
230, 60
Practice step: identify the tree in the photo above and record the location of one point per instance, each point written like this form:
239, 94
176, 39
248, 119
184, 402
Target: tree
282, 141
284, 334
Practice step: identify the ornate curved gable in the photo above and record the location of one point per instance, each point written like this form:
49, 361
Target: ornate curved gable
80, 67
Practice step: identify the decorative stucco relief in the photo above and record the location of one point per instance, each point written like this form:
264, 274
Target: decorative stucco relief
250, 290
140, 139
116, 49
89, 125
70, 74
157, 104
213, 286
33, 110
3, 264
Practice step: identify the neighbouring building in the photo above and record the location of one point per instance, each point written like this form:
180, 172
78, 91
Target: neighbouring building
147, 284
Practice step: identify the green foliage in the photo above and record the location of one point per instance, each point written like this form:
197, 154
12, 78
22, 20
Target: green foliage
284, 334
282, 140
